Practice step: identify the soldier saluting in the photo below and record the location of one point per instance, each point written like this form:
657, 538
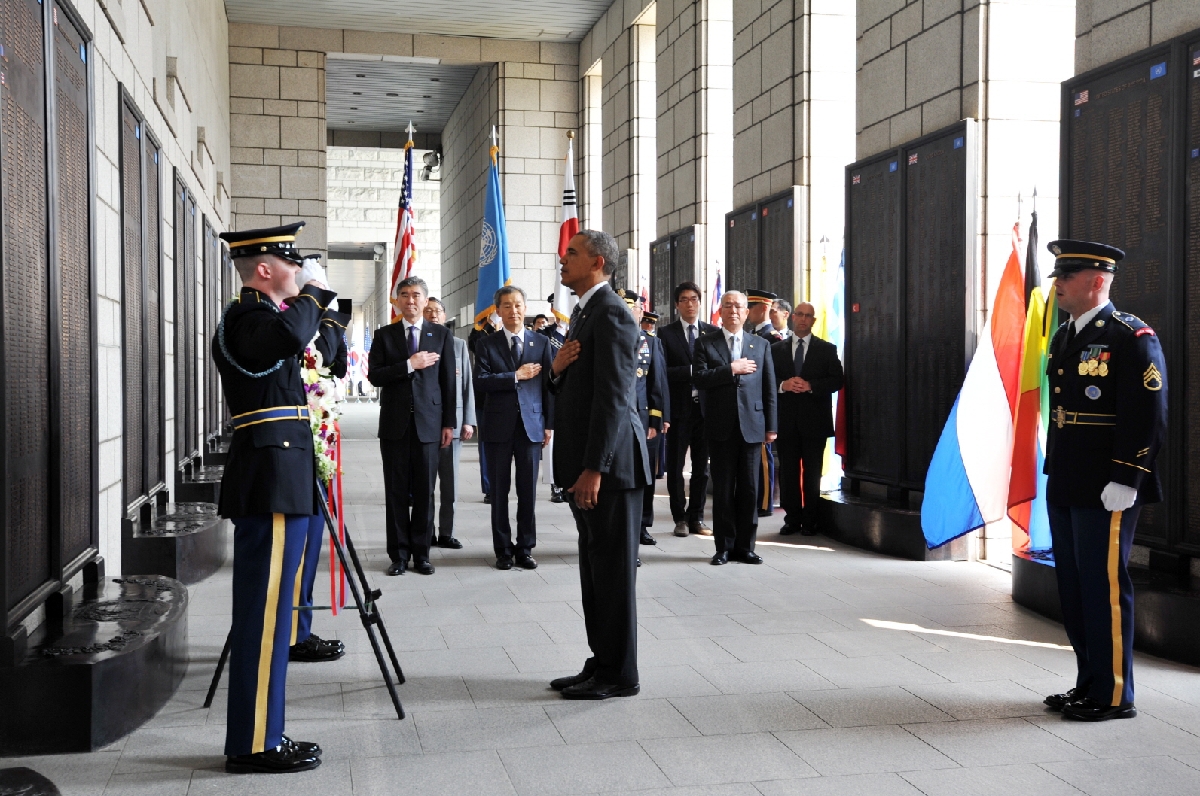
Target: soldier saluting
269, 486
1108, 399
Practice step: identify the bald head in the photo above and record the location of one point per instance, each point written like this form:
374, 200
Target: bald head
803, 318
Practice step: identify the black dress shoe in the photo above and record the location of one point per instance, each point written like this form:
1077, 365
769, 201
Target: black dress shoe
1058, 701
421, 566
504, 563
592, 689
1090, 710
283, 759
560, 683
556, 495
646, 538
315, 649
639, 562
526, 561
449, 542
719, 559
304, 747
765, 512
487, 498
788, 530
397, 568
746, 557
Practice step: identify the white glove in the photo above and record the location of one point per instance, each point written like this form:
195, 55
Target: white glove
312, 270
1118, 497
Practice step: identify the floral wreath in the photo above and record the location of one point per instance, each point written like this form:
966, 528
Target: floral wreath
324, 408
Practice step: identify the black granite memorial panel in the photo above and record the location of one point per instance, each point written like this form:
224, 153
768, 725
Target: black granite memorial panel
777, 247
153, 407
660, 278
683, 256
741, 249
1190, 379
132, 301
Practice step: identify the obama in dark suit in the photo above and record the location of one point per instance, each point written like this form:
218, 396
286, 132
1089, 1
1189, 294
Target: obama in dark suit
736, 379
600, 457
412, 361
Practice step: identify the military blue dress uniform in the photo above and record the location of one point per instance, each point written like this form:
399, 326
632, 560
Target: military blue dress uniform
1108, 409
759, 299
268, 491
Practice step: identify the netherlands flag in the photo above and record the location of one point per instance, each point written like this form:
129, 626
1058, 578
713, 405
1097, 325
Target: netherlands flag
966, 486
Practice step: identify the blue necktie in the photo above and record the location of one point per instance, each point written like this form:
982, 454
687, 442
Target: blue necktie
735, 347
798, 359
691, 339
412, 340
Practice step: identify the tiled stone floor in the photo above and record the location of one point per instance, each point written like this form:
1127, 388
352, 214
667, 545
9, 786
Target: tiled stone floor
826, 671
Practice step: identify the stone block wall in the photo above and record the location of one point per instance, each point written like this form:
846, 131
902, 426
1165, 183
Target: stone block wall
277, 129
1111, 29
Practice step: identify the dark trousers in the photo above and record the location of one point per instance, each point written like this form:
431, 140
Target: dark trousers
653, 446
266, 557
409, 469
608, 543
447, 477
501, 455
765, 496
302, 620
483, 469
1091, 558
735, 482
800, 461
687, 433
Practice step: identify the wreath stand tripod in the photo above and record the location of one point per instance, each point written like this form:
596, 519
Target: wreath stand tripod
365, 598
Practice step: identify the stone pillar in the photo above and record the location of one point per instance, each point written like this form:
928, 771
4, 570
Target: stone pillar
589, 152
694, 68
277, 127
1106, 31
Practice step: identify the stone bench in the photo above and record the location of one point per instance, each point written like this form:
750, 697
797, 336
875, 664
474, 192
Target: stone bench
186, 541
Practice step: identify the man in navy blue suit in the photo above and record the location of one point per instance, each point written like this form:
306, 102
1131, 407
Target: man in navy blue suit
517, 422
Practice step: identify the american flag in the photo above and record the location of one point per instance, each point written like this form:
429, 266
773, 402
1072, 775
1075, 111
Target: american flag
406, 235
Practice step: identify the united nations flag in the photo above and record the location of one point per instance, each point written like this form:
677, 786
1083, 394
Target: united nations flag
494, 272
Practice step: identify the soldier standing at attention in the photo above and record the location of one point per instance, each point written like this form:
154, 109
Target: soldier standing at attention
1108, 393
269, 487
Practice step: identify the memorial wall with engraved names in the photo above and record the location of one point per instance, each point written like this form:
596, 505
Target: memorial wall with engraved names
911, 289
48, 504
761, 247
672, 260
1130, 176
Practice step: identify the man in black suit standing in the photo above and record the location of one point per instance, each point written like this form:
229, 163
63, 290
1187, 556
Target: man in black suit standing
517, 422
737, 378
412, 362
808, 372
687, 419
600, 456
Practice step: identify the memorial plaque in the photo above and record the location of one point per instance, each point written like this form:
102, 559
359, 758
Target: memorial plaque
937, 290
212, 316
26, 301
873, 355
1189, 380
777, 247
1116, 174
741, 249
153, 407
660, 278
76, 370
132, 301
683, 257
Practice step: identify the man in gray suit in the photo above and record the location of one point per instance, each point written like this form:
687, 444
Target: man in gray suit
464, 395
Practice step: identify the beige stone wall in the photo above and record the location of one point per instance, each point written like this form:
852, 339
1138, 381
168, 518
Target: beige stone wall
174, 67
277, 129
1107, 30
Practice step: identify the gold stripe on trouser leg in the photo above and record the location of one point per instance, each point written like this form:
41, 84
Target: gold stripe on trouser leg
766, 479
267, 645
296, 595
1114, 601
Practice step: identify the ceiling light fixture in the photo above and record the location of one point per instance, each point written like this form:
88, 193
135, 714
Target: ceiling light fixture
392, 94
435, 80
426, 96
360, 75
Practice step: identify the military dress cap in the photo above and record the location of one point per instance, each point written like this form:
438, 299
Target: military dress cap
1079, 255
280, 241
631, 298
760, 297
650, 316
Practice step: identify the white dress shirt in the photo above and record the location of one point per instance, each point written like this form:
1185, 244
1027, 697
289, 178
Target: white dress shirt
1086, 318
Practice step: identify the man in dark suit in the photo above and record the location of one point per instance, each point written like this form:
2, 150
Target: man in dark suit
687, 419
269, 487
600, 455
808, 372
736, 378
517, 422
412, 362
464, 429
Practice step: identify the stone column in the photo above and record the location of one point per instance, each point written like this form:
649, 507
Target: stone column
277, 127
1107, 31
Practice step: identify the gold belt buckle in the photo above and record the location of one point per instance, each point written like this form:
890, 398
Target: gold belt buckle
1060, 417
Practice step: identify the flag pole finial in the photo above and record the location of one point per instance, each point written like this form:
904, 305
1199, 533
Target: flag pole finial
410, 130
1035, 198
494, 135
570, 135
1018, 207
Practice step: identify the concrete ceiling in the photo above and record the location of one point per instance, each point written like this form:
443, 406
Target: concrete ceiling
377, 94
352, 279
546, 20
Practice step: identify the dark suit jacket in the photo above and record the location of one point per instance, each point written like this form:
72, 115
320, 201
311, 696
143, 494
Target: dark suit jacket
331, 341
810, 413
270, 467
505, 401
743, 402
427, 394
595, 414
679, 364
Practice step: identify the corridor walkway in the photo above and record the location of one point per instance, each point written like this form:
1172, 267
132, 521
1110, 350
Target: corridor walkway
825, 671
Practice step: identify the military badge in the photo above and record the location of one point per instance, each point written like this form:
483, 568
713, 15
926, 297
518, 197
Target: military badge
640, 373
1092, 392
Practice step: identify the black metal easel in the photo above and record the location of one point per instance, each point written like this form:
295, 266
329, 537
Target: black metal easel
368, 612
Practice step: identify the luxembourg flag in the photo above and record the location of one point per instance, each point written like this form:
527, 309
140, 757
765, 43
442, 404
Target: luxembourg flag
966, 486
